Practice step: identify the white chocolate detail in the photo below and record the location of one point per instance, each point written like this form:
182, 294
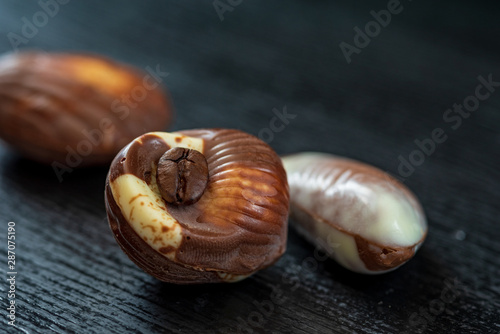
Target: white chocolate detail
397, 222
145, 212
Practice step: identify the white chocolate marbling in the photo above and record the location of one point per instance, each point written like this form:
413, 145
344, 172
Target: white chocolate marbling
335, 199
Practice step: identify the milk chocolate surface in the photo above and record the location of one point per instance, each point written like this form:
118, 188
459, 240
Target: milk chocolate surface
54, 104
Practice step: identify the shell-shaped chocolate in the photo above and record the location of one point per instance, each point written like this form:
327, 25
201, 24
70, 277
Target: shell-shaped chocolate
76, 109
234, 227
363, 218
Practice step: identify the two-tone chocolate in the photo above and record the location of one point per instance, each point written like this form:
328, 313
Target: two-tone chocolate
73, 110
364, 219
221, 230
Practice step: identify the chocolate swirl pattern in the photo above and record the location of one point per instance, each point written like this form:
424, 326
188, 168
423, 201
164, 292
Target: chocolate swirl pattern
49, 101
237, 227
366, 220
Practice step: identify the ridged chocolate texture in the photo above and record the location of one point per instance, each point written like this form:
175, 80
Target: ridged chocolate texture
237, 227
366, 220
52, 101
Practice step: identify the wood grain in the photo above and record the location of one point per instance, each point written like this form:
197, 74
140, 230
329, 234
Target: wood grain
73, 278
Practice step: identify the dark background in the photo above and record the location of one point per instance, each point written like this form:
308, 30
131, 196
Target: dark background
72, 276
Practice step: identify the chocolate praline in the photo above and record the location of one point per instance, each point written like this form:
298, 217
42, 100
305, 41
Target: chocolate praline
237, 227
72, 110
363, 218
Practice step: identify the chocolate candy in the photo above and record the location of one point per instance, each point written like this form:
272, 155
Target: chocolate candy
182, 227
364, 219
73, 110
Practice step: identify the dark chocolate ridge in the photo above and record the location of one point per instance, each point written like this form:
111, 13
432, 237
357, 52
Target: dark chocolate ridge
243, 237
41, 128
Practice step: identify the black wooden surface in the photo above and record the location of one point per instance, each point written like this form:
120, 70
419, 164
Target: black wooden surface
72, 276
